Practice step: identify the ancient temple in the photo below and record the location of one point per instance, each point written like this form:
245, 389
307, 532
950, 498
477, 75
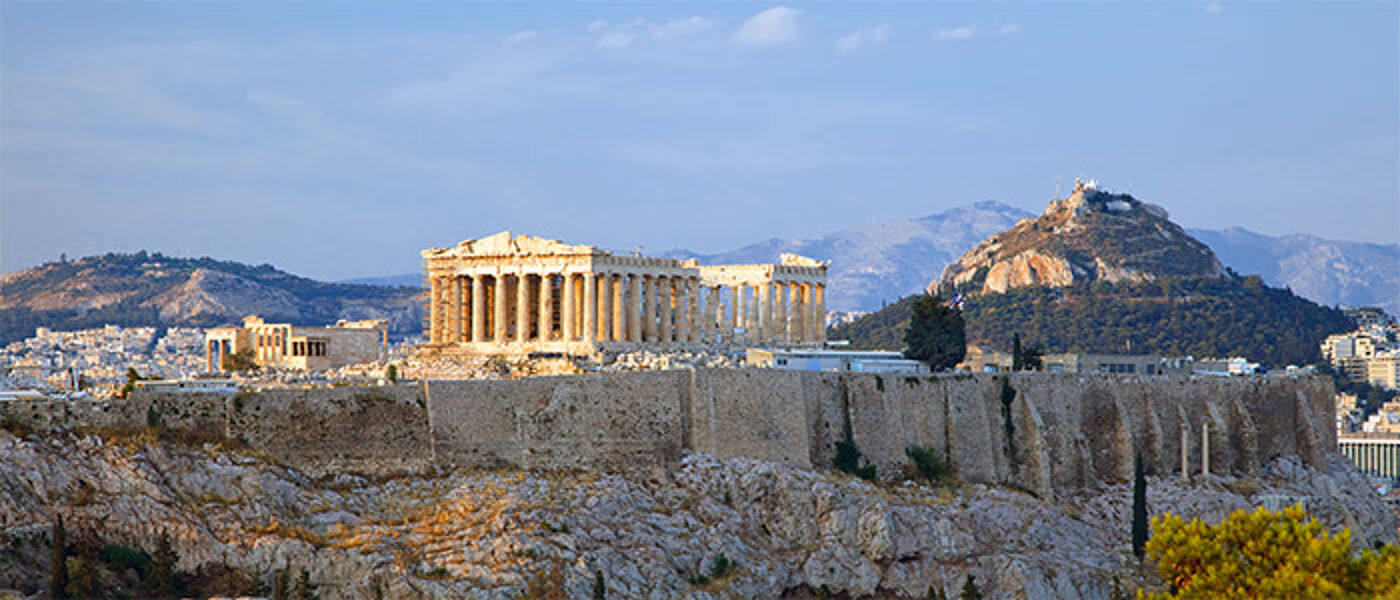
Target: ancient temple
507, 294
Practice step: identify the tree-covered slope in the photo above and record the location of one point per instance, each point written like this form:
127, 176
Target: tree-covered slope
1200, 317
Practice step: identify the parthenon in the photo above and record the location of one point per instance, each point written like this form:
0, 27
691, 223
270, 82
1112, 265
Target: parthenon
506, 294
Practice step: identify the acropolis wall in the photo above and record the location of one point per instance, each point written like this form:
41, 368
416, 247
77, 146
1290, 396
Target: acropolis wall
1051, 434
519, 295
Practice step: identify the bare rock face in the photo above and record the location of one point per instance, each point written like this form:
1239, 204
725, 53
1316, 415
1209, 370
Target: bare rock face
219, 294
1090, 236
788, 532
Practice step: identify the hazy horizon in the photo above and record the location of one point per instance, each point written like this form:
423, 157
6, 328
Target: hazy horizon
337, 140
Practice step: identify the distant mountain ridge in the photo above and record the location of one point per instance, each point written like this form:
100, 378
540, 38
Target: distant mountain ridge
881, 262
144, 289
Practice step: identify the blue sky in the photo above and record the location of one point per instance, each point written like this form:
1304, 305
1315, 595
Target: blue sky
336, 140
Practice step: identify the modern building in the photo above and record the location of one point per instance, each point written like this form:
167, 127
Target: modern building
519, 295
815, 359
1377, 455
979, 360
287, 346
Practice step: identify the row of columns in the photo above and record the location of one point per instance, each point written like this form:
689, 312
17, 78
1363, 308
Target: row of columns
1379, 459
635, 307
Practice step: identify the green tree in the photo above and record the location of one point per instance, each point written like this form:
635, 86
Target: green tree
969, 589
164, 582
1139, 507
392, 374
935, 334
600, 589
239, 361
58, 561
1264, 554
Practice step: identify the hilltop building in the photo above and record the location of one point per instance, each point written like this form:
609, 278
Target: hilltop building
286, 346
520, 295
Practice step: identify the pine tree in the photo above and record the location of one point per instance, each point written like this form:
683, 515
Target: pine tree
58, 558
969, 589
935, 334
1139, 508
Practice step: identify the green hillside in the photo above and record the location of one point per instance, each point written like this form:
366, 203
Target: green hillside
1173, 316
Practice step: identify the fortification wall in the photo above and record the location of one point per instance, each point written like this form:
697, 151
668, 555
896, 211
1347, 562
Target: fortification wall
1049, 434
602, 421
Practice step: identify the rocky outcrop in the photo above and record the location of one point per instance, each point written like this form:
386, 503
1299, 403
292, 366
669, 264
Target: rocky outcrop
222, 295
652, 534
1090, 236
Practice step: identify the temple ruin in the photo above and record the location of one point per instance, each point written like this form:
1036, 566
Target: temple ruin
517, 295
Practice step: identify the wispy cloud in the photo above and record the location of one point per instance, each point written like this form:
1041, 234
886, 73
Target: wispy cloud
596, 25
1009, 29
1213, 8
520, 37
955, 33
862, 37
771, 27
681, 28
616, 39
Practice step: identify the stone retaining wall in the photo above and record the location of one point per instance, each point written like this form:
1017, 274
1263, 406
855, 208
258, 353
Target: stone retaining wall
1050, 434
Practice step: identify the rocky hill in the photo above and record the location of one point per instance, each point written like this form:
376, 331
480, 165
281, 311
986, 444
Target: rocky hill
1090, 236
155, 290
714, 528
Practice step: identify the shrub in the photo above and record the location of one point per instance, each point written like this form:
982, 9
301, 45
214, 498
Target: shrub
926, 464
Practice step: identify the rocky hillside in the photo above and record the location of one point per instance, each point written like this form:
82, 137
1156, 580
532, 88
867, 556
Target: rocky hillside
875, 263
711, 529
151, 289
1090, 236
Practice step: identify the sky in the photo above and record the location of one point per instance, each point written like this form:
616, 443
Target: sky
338, 139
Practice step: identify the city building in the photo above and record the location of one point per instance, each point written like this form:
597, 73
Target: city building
286, 346
816, 359
1377, 455
520, 295
986, 360
189, 386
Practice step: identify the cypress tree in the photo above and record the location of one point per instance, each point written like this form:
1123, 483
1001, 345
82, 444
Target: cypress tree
600, 589
969, 589
1017, 364
58, 558
1139, 507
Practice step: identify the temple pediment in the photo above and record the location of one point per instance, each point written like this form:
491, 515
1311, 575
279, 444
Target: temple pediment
504, 244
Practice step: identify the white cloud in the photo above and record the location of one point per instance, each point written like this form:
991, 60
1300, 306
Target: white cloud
521, 37
1213, 8
955, 33
681, 28
597, 25
771, 27
862, 37
1009, 29
616, 39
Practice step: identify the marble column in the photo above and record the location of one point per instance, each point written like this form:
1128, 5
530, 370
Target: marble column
566, 315
604, 307
500, 317
741, 310
522, 308
697, 322
590, 308
707, 329
682, 308
478, 309
819, 313
765, 311
667, 308
651, 304
435, 311
546, 318
634, 307
464, 313
454, 330
619, 308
